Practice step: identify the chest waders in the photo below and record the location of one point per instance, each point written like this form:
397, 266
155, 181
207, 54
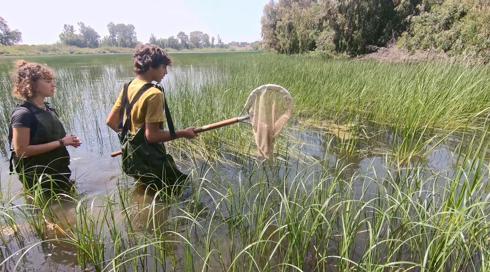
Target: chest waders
148, 163
50, 170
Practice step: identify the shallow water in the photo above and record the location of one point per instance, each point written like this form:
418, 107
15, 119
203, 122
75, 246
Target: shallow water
89, 85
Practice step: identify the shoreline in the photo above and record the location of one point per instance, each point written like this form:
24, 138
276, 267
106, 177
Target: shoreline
63, 50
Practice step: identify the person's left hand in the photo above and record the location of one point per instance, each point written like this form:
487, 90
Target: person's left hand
189, 133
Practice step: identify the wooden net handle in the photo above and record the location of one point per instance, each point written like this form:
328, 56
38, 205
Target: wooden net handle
205, 128
219, 124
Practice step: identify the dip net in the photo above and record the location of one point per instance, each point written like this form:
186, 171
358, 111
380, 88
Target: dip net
269, 108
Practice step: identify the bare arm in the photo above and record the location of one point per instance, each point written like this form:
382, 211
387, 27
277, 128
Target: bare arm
113, 120
21, 138
154, 134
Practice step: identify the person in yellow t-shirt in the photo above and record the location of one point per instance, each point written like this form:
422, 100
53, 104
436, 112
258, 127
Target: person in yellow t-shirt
139, 114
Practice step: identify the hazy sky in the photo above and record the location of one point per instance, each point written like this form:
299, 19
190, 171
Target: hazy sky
41, 21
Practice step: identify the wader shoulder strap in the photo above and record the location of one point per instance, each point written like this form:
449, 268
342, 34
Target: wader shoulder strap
168, 116
124, 102
49, 108
128, 107
11, 159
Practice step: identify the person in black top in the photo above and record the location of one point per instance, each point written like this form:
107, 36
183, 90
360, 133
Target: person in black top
38, 138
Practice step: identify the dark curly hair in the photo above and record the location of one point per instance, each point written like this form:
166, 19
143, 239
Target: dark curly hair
25, 75
148, 55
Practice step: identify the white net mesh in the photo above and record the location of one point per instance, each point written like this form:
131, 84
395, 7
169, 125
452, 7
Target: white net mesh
269, 107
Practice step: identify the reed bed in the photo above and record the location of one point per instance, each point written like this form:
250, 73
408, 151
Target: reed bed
384, 168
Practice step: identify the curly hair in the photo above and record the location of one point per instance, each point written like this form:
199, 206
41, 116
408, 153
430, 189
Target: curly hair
148, 55
25, 75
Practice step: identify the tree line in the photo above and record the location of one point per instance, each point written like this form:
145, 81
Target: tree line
357, 27
124, 35
195, 39
120, 35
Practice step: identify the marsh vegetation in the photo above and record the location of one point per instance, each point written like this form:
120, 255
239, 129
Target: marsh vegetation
384, 167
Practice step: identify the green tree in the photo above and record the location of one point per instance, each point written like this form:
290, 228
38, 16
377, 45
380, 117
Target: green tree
184, 39
69, 37
220, 43
205, 40
305, 17
163, 43
361, 24
121, 35
173, 42
87, 36
196, 39
90, 37
269, 25
291, 26
7, 36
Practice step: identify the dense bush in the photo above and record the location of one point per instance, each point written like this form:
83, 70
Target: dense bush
455, 27
357, 27
291, 26
297, 26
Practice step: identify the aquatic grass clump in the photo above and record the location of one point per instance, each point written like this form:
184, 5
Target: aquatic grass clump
333, 222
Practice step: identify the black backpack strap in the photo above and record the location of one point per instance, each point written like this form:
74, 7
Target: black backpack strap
168, 116
128, 107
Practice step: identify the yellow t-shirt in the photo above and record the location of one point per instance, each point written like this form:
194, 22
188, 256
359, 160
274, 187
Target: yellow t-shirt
148, 108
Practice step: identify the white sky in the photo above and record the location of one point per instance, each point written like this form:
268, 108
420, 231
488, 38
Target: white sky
42, 21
